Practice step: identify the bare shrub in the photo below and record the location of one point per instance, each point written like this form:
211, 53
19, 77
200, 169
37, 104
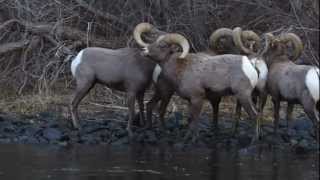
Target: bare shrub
33, 31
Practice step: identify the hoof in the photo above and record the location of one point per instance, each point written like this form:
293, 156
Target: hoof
191, 134
255, 140
76, 127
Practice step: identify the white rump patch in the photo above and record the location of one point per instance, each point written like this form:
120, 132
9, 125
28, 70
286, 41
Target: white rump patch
156, 72
249, 71
263, 72
312, 83
75, 63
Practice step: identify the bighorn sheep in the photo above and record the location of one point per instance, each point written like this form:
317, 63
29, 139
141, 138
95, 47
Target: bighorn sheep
220, 42
121, 69
196, 77
287, 81
261, 67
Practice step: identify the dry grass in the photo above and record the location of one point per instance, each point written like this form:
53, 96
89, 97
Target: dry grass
101, 100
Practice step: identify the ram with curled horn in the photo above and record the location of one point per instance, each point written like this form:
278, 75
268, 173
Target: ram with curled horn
289, 82
121, 69
261, 67
221, 41
195, 78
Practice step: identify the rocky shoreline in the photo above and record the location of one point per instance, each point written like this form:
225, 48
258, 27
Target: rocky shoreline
47, 128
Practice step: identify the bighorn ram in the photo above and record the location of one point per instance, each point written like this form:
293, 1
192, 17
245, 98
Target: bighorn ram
261, 67
196, 77
220, 42
122, 69
287, 81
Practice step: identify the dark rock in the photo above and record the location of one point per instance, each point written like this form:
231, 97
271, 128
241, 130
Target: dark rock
293, 142
53, 124
282, 123
121, 141
232, 142
302, 124
88, 139
304, 135
29, 131
268, 129
28, 140
274, 139
42, 140
9, 129
45, 115
121, 133
52, 134
292, 132
179, 145
139, 137
228, 124
5, 140
51, 128
151, 137
244, 139
302, 147
90, 128
248, 151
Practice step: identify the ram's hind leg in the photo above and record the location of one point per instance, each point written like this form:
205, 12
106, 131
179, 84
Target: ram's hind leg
83, 87
150, 107
310, 109
131, 98
289, 114
247, 104
163, 107
276, 109
215, 111
140, 98
237, 118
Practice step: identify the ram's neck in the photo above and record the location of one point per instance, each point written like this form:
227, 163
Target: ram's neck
174, 68
273, 59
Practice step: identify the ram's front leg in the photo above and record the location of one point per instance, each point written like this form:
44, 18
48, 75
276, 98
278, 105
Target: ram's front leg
195, 107
131, 112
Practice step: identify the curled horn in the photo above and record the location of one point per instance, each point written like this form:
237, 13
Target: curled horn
138, 30
237, 39
296, 41
269, 37
251, 36
175, 38
217, 34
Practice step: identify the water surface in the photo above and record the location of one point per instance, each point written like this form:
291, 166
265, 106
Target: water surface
30, 162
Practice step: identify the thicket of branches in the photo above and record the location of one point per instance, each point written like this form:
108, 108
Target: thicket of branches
32, 31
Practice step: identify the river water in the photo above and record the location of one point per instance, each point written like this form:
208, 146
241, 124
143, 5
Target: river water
30, 162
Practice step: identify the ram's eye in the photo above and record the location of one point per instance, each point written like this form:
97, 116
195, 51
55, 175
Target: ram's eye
162, 45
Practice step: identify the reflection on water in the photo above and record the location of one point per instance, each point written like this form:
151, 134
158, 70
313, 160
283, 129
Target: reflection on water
141, 163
